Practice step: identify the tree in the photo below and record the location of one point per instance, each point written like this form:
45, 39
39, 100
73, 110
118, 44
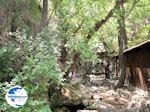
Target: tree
122, 41
69, 36
44, 19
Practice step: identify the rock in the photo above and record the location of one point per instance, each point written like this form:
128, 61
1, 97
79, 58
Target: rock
139, 104
132, 104
107, 110
63, 98
96, 97
87, 111
124, 93
86, 102
140, 92
94, 88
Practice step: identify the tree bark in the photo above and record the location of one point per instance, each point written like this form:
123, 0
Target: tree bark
122, 40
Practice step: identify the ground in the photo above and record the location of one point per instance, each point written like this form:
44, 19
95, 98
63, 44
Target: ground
98, 95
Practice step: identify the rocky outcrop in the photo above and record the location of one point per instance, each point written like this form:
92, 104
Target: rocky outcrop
66, 98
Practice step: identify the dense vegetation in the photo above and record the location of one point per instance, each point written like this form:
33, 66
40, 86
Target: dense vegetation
41, 41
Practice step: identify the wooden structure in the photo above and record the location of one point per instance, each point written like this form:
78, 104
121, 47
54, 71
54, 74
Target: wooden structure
138, 65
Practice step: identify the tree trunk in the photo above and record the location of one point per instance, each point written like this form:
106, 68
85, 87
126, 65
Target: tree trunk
13, 24
63, 55
44, 13
122, 40
75, 63
36, 28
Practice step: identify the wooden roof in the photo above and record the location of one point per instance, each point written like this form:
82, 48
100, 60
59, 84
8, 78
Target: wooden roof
137, 46
134, 47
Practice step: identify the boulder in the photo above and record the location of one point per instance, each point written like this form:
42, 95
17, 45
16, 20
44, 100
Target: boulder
64, 98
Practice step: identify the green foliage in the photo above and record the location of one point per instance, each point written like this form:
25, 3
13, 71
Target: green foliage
142, 35
33, 8
85, 50
40, 68
7, 57
138, 23
75, 18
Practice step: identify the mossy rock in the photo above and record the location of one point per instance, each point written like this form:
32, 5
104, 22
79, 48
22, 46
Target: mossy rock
63, 96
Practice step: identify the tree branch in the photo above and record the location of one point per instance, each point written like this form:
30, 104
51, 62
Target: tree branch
79, 27
100, 23
134, 3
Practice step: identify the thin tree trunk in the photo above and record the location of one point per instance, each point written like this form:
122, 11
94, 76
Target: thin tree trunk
122, 40
63, 55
